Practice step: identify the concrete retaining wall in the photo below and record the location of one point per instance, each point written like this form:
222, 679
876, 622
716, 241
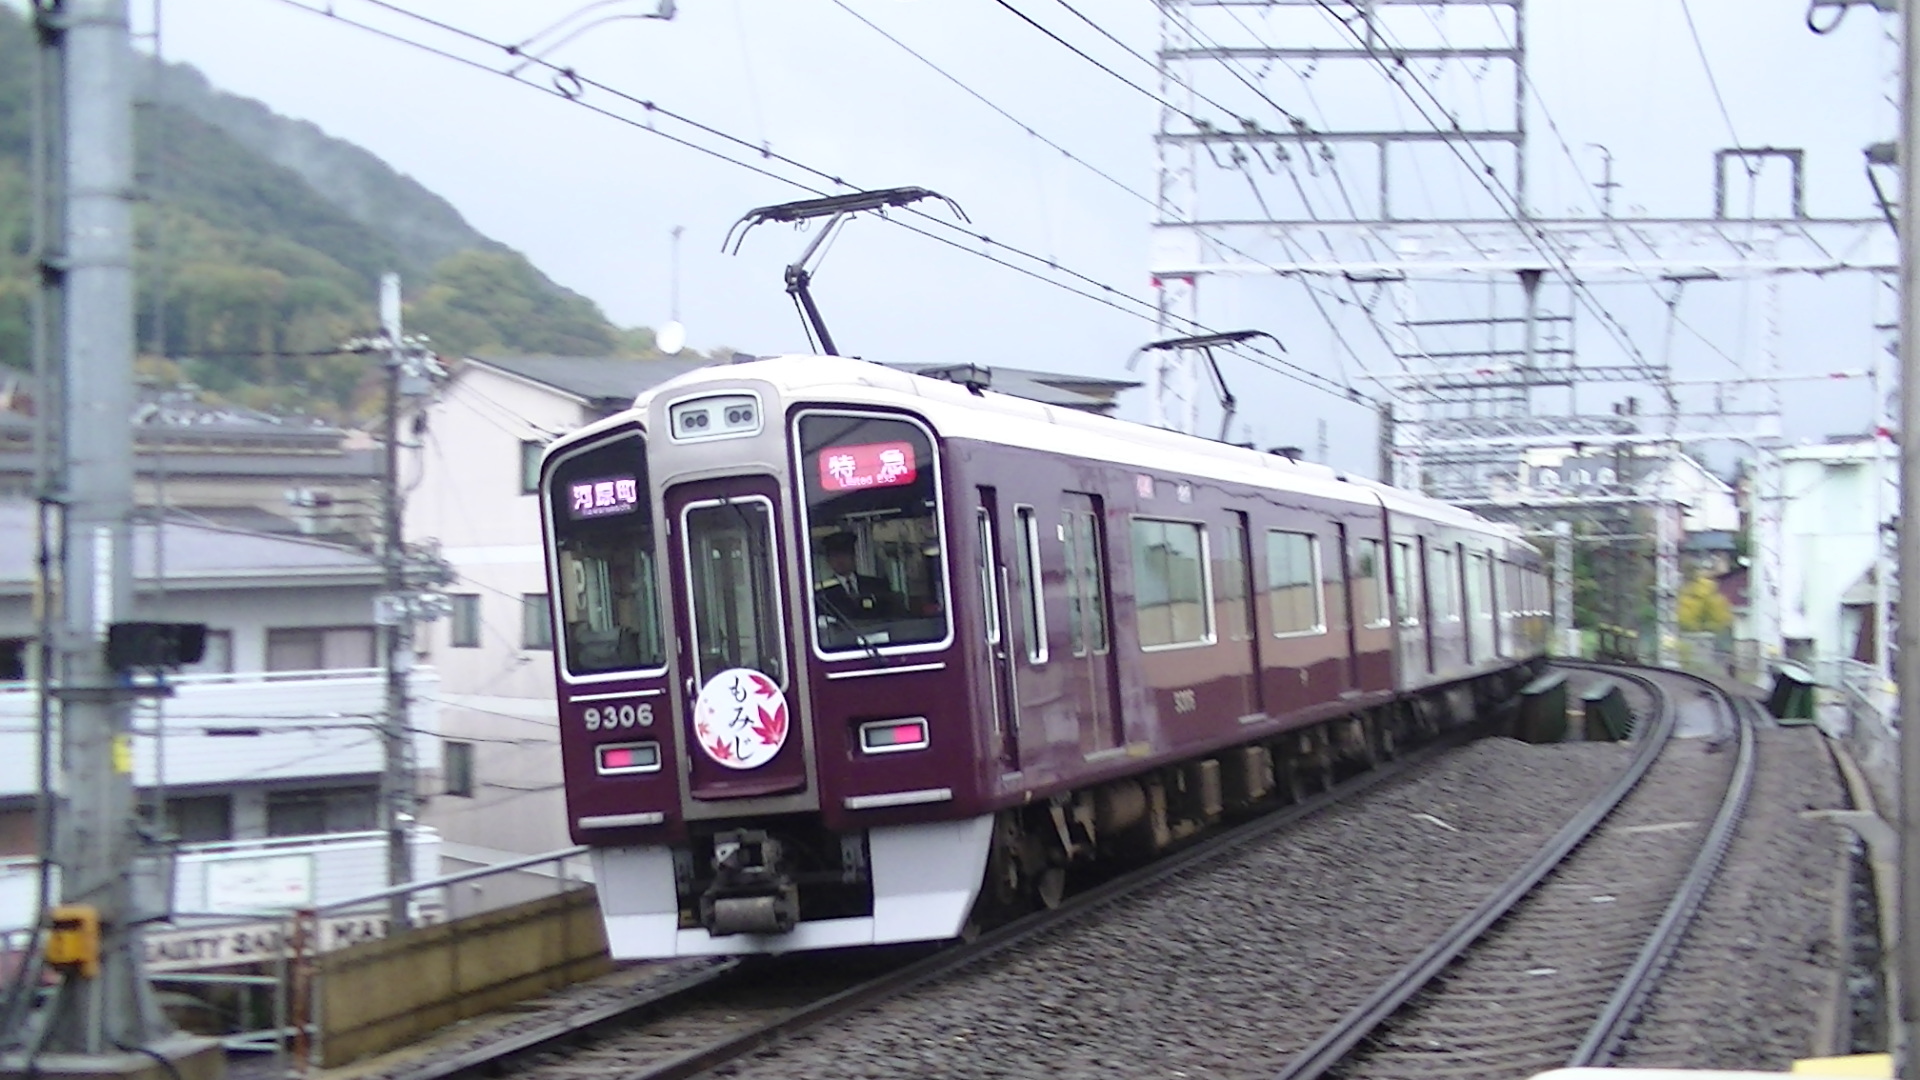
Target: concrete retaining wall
383, 994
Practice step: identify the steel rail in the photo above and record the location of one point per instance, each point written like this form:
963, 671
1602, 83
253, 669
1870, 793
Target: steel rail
493, 1059
1637, 985
1339, 1040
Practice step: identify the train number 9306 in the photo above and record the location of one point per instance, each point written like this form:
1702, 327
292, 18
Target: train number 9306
621, 716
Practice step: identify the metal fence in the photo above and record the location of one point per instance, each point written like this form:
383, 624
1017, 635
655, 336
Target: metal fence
287, 945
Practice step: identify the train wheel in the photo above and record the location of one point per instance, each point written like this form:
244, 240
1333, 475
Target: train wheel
1051, 888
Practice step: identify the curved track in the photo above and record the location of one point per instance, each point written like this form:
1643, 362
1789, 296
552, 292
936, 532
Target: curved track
725, 1012
694, 1024
1485, 1030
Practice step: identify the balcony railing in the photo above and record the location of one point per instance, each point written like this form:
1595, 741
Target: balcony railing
242, 728
225, 880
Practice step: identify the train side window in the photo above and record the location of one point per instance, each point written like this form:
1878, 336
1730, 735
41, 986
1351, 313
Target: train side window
1444, 584
1170, 588
1294, 595
1086, 575
1027, 580
1370, 584
988, 594
1406, 610
1479, 603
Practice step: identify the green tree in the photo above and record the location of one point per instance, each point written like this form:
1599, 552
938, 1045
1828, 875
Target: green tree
1702, 608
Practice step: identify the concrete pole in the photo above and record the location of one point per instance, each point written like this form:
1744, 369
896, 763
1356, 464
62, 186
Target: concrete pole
95, 841
1909, 435
397, 807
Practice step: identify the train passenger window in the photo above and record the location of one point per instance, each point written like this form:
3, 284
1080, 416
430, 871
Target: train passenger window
1444, 584
736, 612
1086, 577
875, 553
1170, 593
603, 559
1369, 584
1293, 583
1026, 584
1406, 607
1479, 603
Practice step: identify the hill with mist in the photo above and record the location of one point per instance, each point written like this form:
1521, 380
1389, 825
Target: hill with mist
261, 240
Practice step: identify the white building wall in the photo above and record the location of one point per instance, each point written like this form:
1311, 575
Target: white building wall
241, 730
1830, 538
499, 695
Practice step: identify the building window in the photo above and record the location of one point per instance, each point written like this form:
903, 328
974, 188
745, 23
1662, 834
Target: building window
319, 648
536, 627
464, 626
1293, 578
201, 819
530, 451
1170, 596
457, 767
321, 811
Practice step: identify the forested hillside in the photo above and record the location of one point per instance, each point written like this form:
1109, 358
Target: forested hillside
247, 269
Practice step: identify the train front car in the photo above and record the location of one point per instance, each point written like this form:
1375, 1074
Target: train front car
764, 727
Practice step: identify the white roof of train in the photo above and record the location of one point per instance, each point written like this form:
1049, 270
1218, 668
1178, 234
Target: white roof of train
957, 412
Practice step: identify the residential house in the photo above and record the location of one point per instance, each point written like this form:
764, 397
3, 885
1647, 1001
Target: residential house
267, 757
236, 467
1835, 509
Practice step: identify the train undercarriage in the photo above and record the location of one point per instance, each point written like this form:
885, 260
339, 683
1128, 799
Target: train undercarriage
788, 883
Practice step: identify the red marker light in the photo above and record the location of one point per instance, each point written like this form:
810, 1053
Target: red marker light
887, 736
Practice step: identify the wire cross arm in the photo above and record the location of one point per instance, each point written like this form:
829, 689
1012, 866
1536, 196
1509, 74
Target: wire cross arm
836, 209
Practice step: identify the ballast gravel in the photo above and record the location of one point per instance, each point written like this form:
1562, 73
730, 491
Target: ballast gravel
1230, 969
1757, 968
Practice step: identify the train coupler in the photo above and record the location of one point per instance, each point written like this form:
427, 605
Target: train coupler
752, 891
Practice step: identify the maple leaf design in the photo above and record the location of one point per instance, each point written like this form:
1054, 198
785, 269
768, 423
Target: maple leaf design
703, 729
764, 685
772, 726
720, 750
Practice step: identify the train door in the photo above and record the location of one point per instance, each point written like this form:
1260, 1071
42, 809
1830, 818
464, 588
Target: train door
992, 572
727, 589
1343, 566
1236, 594
1088, 670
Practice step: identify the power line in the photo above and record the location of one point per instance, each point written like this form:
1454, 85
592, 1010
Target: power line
1136, 87
570, 85
1487, 177
1700, 49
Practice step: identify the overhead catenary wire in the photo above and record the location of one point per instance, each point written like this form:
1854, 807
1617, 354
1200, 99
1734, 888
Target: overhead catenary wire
570, 85
1486, 175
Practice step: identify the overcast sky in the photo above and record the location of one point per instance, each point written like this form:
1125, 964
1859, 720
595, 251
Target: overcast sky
593, 200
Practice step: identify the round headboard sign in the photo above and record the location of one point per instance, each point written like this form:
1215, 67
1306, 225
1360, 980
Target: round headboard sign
740, 719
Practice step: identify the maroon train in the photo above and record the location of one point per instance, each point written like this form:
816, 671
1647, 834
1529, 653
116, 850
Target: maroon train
849, 656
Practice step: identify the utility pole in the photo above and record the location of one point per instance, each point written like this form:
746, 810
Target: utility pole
102, 1017
1909, 435
396, 620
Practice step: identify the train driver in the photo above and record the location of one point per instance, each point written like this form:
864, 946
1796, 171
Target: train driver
848, 594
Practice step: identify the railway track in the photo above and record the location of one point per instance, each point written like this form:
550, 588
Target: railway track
1439, 1017
726, 1012
693, 1024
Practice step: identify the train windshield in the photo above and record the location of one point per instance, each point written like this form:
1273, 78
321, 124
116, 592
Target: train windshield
603, 559
874, 551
